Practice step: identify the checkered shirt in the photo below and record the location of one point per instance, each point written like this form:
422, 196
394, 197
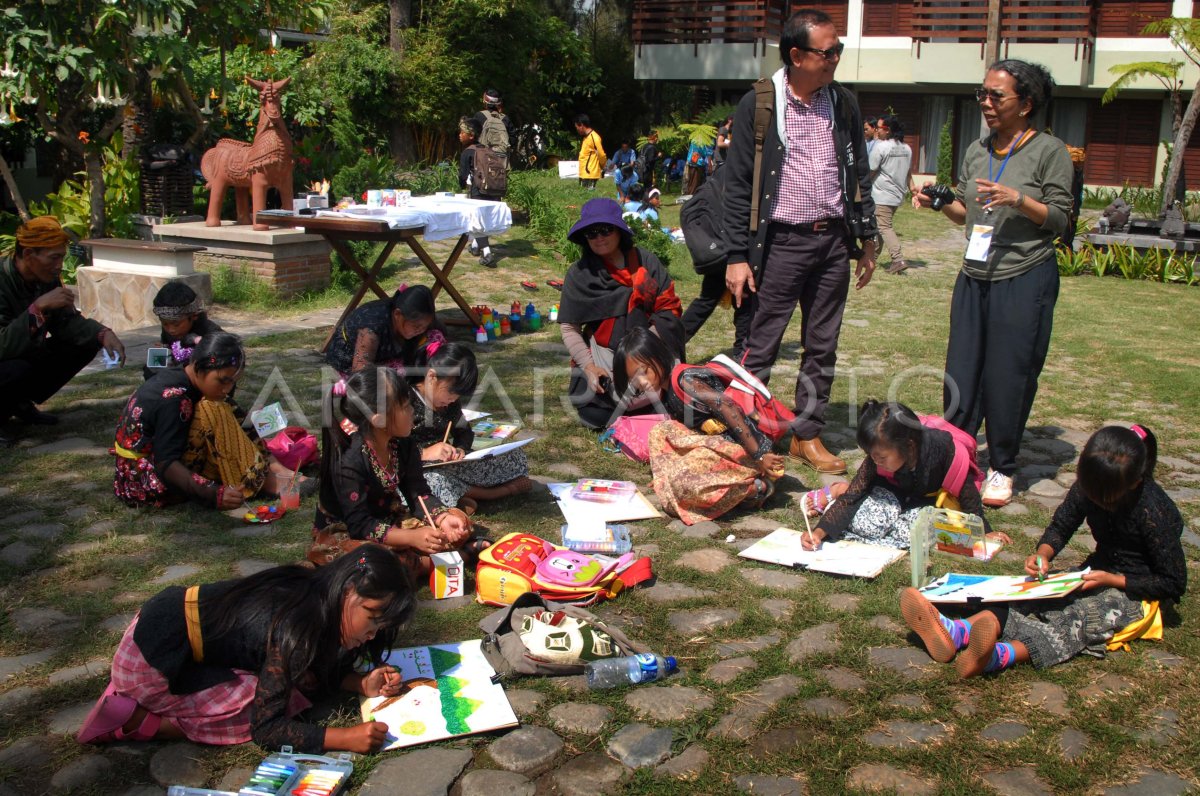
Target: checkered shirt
809, 187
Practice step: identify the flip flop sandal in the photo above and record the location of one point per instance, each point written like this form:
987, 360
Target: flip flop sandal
467, 506
106, 717
555, 283
529, 285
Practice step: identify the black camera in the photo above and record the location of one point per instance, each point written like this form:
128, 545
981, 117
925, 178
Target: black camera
939, 196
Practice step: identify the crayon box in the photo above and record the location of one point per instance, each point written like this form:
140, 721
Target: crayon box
446, 577
286, 773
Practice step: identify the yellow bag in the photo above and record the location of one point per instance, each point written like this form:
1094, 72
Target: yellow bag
1149, 627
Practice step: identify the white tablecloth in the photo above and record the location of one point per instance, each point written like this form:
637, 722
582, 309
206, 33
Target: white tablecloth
442, 216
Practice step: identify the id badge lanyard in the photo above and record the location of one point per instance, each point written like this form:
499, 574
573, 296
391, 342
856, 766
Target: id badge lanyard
980, 243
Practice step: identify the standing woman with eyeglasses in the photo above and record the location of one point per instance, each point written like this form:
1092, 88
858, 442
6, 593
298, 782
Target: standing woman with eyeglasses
614, 287
1014, 197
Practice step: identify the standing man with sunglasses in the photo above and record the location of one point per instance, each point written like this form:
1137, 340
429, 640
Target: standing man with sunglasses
792, 242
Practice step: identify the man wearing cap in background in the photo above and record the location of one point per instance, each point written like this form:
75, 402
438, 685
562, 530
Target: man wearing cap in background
44, 341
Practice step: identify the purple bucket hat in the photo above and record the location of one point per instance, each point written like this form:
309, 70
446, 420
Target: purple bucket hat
599, 211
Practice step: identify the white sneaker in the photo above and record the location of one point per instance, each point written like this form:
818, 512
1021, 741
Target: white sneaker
997, 489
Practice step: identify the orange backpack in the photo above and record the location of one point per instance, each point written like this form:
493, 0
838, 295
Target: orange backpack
521, 562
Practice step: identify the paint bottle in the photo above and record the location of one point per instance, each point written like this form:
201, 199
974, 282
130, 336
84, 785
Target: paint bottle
530, 310
514, 321
481, 335
535, 321
553, 313
515, 309
505, 326
491, 330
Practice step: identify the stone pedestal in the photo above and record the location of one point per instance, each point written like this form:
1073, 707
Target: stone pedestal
123, 301
290, 261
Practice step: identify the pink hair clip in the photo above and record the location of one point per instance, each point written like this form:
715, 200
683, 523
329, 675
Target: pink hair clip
339, 387
1141, 432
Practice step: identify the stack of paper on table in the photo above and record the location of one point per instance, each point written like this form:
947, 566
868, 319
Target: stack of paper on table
484, 453
856, 559
451, 694
956, 587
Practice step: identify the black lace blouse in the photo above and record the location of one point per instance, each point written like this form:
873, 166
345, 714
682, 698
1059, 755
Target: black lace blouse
706, 394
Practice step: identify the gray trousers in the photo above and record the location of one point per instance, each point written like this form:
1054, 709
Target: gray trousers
811, 269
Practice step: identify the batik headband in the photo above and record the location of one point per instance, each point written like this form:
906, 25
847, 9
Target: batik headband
179, 312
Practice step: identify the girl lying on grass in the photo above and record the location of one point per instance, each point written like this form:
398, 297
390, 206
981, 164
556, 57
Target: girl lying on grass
225, 663
1138, 564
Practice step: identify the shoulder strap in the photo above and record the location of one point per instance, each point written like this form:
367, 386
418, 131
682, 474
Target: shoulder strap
764, 106
191, 614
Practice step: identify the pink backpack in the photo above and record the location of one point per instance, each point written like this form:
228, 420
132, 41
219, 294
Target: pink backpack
631, 433
964, 463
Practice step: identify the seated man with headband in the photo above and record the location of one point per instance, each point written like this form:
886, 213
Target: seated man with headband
44, 341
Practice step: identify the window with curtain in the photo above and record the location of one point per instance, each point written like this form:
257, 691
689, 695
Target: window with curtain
936, 111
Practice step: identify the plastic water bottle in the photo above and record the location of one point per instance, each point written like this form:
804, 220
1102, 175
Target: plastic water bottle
921, 539
616, 672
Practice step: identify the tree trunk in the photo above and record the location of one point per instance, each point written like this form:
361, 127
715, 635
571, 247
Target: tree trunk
94, 166
13, 190
1175, 169
399, 19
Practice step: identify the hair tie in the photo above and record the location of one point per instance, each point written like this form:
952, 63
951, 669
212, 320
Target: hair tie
433, 347
1141, 432
361, 564
180, 352
403, 287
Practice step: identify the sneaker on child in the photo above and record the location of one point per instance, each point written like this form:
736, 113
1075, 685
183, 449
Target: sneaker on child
997, 489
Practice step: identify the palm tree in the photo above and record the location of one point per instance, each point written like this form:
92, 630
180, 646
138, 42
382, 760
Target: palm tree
1185, 35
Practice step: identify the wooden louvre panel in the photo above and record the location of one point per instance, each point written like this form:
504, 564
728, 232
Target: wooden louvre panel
1124, 18
1123, 142
838, 12
887, 18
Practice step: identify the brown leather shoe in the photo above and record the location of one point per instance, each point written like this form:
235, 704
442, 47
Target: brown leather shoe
813, 453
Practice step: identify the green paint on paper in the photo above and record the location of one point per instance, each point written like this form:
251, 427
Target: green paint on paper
456, 709
443, 660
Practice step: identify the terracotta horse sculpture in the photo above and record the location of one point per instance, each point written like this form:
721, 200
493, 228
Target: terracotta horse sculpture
250, 169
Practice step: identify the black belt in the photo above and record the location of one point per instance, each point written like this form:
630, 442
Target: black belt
811, 227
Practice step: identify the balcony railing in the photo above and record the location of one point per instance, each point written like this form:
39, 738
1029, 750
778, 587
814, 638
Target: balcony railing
689, 22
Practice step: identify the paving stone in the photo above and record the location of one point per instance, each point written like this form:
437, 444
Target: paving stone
667, 703
662, 592
1048, 698
739, 724
755, 525
23, 517
425, 772
815, 640
780, 741
1072, 744
908, 702
50, 621
1184, 494
1004, 731
1021, 780
80, 548
527, 750
445, 604
1066, 479
770, 785
118, 623
34, 751
1013, 509
42, 531
590, 774
249, 566
19, 663
710, 560
1151, 782
779, 610
82, 772
524, 701
78, 512
579, 717
729, 670
882, 777
16, 698
773, 578
909, 662
1046, 487
843, 603
565, 468
1162, 727
1165, 658
93, 668
235, 778
576, 684
18, 554
179, 764
966, 705
640, 745
902, 734
1105, 685
254, 531
687, 765
75, 445
1050, 504
703, 620
840, 679
175, 572
886, 623
705, 529
826, 707
489, 782
729, 649
90, 585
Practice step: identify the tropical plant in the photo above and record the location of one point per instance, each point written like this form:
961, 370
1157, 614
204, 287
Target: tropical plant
945, 158
700, 134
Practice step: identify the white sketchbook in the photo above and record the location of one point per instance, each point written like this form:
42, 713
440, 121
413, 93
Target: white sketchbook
855, 559
585, 511
485, 453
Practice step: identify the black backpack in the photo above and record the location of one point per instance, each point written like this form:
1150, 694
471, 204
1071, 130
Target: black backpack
703, 227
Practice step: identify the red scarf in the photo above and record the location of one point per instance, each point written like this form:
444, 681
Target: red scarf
645, 293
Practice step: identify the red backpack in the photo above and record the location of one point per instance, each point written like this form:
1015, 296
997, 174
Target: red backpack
747, 393
964, 463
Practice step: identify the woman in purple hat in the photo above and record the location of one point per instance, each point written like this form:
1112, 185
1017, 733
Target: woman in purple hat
614, 287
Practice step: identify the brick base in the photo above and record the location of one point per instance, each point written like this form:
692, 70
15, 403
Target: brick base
287, 276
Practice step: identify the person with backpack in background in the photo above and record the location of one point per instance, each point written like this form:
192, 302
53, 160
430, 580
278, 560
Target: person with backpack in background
699, 164
908, 464
499, 137
647, 160
485, 172
591, 152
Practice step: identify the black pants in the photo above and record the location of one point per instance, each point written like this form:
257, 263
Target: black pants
812, 270
42, 374
712, 288
999, 336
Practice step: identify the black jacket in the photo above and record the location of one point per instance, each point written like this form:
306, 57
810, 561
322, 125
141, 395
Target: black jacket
739, 179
